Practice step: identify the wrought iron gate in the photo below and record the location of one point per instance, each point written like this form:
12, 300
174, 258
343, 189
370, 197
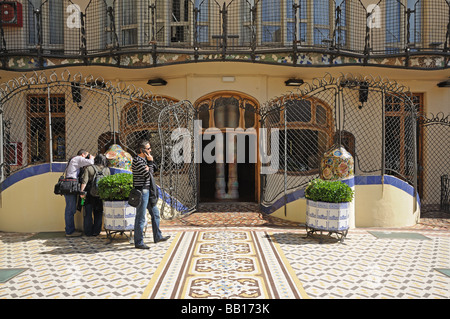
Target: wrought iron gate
372, 118
434, 163
48, 118
178, 177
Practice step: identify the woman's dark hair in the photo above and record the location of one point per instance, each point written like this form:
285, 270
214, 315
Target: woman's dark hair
100, 159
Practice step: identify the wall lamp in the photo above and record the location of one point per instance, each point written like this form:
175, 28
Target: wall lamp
444, 84
157, 82
293, 82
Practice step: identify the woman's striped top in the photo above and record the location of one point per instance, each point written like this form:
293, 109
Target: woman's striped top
141, 177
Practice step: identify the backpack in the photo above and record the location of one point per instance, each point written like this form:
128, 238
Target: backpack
94, 185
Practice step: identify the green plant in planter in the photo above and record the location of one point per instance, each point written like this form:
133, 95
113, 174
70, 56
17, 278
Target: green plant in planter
320, 190
115, 187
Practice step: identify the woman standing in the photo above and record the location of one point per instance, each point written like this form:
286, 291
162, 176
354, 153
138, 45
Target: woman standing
143, 167
93, 205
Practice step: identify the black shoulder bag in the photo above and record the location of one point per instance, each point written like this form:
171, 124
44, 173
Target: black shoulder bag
67, 186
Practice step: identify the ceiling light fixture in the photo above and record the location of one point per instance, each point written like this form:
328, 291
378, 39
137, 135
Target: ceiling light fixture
228, 79
157, 82
293, 82
444, 84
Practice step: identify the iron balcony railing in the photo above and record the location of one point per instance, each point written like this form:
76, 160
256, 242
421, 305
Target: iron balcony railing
98, 28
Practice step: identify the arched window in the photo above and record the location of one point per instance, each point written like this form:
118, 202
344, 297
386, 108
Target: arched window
309, 133
227, 109
139, 120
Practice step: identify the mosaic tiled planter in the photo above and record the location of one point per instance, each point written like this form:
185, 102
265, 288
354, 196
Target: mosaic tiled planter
118, 217
329, 217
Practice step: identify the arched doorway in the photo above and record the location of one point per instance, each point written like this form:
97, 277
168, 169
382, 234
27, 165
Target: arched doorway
229, 135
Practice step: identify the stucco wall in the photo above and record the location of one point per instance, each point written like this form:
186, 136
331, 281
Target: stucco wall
31, 206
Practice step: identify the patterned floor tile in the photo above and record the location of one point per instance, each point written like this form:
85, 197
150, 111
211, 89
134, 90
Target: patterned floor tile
367, 267
363, 266
83, 267
224, 265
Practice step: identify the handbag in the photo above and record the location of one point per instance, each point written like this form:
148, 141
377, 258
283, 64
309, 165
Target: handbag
135, 197
67, 186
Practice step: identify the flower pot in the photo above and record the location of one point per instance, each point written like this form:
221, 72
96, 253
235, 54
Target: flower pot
119, 215
330, 217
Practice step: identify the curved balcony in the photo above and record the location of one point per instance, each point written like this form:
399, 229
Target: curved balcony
38, 34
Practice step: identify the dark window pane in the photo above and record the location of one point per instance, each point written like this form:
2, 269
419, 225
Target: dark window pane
203, 115
321, 115
298, 111
249, 115
38, 151
392, 103
42, 106
393, 143
33, 105
132, 115
150, 113
303, 148
59, 138
57, 104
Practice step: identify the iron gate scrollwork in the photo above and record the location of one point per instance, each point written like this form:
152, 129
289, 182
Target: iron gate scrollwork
434, 165
48, 118
373, 118
178, 171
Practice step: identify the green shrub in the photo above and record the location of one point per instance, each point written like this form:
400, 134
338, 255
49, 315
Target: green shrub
115, 187
328, 191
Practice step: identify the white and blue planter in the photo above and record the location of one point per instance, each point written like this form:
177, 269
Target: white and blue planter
119, 217
333, 218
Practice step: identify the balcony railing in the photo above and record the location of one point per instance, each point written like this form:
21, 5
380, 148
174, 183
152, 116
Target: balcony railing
99, 28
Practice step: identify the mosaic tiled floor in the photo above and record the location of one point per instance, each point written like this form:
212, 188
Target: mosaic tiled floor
224, 265
371, 268
364, 266
79, 267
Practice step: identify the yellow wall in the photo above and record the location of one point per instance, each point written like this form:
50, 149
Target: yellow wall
384, 206
31, 206
295, 211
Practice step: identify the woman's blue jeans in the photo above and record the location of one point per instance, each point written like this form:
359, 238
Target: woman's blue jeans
139, 222
93, 226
